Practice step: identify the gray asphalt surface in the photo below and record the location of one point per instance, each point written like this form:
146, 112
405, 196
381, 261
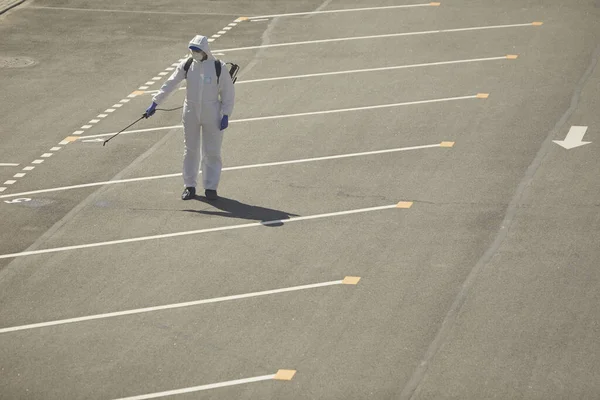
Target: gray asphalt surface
486, 287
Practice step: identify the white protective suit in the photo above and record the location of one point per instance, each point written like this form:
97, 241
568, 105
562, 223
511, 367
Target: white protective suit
205, 104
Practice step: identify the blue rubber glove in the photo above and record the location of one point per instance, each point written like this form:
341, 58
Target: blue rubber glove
224, 122
150, 110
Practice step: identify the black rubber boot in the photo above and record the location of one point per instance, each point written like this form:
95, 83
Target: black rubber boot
211, 194
189, 193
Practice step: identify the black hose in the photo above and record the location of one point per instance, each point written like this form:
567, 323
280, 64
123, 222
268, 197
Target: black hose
138, 120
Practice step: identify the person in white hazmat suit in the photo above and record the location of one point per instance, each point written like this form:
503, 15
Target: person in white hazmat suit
206, 110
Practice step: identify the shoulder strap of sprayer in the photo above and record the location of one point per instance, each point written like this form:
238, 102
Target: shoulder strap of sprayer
232, 72
186, 67
218, 69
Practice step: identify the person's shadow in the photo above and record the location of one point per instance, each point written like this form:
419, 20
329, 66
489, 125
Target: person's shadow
234, 209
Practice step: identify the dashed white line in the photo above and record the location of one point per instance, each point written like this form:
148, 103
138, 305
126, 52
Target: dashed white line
374, 37
233, 24
105, 114
29, 168
227, 28
216, 36
210, 40
10, 182
171, 306
170, 68
234, 168
201, 231
2, 189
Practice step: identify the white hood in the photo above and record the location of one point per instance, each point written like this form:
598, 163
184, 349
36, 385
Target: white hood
202, 42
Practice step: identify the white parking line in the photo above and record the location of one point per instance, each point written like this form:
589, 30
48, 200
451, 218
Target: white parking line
172, 306
128, 11
211, 386
269, 164
377, 36
408, 103
201, 231
356, 71
345, 10
341, 110
162, 128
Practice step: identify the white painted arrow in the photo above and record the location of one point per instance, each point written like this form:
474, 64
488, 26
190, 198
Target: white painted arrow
574, 138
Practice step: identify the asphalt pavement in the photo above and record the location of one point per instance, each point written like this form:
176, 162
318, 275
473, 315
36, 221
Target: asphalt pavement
409, 207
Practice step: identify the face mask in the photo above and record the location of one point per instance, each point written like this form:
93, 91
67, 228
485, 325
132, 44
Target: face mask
199, 56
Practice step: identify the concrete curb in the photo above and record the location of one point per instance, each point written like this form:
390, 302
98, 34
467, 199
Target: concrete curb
6, 5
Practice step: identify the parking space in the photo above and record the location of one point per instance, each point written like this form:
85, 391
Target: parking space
384, 204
